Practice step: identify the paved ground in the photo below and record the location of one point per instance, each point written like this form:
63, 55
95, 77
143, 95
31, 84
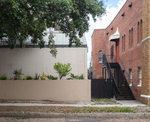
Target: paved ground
122, 103
72, 120
123, 117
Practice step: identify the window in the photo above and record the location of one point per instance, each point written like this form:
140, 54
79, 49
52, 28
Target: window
112, 52
132, 37
141, 26
124, 43
140, 76
138, 33
129, 39
100, 57
123, 83
130, 73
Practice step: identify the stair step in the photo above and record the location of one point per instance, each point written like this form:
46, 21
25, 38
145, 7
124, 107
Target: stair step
120, 79
114, 65
125, 98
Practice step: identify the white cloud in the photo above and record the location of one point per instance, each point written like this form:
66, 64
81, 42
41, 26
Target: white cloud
102, 24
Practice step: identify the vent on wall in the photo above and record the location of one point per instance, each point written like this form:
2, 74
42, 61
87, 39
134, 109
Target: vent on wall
123, 14
130, 5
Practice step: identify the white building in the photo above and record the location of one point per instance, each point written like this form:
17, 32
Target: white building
33, 60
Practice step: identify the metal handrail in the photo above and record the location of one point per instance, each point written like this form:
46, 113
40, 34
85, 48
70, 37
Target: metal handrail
111, 60
106, 62
126, 73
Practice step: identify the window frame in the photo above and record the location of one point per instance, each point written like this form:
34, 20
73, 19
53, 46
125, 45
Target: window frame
100, 58
130, 74
140, 76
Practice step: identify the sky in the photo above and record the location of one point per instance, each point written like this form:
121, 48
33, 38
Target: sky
112, 8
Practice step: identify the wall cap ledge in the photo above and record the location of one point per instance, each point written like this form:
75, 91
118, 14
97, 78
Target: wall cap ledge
148, 38
146, 96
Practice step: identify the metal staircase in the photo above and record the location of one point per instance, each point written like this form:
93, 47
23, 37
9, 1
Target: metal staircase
122, 89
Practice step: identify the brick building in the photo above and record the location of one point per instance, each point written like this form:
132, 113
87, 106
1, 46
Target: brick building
126, 41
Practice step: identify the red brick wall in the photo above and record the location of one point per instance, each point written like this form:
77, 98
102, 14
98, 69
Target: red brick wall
97, 45
145, 90
131, 58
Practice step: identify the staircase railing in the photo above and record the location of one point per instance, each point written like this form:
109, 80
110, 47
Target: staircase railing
126, 73
110, 75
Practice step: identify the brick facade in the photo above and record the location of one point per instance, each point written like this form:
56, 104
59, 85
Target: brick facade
96, 47
145, 90
130, 43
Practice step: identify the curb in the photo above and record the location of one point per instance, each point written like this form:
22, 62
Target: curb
69, 115
64, 105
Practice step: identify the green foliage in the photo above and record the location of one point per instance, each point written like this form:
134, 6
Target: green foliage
98, 110
17, 74
36, 77
103, 101
43, 76
3, 77
75, 77
62, 69
50, 77
21, 118
81, 77
23, 78
28, 77
21, 19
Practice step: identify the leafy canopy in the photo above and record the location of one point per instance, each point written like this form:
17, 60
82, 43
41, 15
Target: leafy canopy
21, 19
62, 69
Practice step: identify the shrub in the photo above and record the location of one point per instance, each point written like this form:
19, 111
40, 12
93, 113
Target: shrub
50, 77
3, 77
72, 76
23, 78
28, 77
17, 74
81, 77
43, 76
62, 69
36, 77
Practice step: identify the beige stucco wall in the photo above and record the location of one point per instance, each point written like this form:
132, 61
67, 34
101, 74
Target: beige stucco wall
57, 90
36, 60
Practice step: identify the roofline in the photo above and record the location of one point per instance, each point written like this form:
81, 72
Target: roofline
97, 30
117, 13
46, 46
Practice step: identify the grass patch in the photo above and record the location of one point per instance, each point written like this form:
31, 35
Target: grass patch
100, 110
21, 118
103, 101
69, 109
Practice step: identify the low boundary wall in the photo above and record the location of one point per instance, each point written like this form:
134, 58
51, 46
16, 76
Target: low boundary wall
57, 90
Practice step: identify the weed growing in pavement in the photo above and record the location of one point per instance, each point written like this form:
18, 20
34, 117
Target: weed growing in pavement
90, 110
103, 101
73, 109
21, 118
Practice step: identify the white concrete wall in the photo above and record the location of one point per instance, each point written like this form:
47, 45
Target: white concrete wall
36, 60
57, 90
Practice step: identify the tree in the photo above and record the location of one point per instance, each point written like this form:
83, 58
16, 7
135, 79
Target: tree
21, 19
62, 69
